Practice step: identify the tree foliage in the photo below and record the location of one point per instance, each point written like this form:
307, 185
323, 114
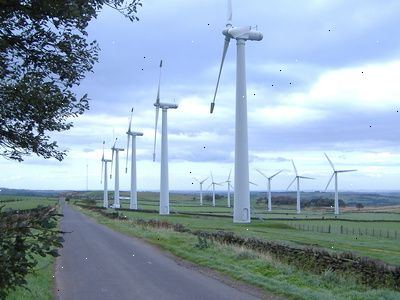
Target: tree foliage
23, 236
44, 54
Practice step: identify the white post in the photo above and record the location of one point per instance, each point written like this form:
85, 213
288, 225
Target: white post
269, 195
336, 195
298, 195
116, 192
201, 193
213, 202
133, 200
105, 196
241, 211
229, 195
164, 190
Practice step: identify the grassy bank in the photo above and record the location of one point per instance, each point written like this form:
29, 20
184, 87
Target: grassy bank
246, 265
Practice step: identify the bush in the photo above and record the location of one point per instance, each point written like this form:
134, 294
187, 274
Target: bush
23, 236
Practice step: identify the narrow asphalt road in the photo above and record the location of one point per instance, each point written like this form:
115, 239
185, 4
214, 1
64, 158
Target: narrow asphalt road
99, 263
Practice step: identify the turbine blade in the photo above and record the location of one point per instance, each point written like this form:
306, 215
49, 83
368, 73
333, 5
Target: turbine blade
102, 167
253, 183
276, 174
294, 166
155, 134
305, 177
127, 153
226, 45
159, 84
329, 182
204, 180
212, 178
229, 15
102, 157
209, 186
112, 162
130, 121
259, 171
229, 177
291, 183
345, 171
330, 162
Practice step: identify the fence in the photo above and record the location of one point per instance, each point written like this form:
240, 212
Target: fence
374, 232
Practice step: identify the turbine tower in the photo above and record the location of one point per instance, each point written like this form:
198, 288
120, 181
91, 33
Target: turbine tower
104, 167
201, 188
335, 174
269, 179
116, 150
213, 184
228, 181
164, 185
241, 212
133, 199
297, 178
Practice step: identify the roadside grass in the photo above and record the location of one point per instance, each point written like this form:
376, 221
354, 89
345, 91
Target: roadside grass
40, 285
290, 231
250, 266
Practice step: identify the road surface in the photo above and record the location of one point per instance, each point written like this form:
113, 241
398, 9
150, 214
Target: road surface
99, 263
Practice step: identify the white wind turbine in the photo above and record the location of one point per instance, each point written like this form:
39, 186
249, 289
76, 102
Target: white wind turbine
297, 178
201, 188
133, 199
213, 184
164, 185
228, 181
115, 151
241, 212
269, 179
104, 167
335, 174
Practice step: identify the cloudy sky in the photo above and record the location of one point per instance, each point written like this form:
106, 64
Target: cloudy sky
325, 78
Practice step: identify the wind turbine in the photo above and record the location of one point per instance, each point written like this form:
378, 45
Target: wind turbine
104, 166
269, 206
116, 150
164, 186
228, 181
297, 178
335, 174
213, 184
201, 188
241, 212
133, 199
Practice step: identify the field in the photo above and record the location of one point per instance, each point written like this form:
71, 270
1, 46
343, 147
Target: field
40, 284
283, 226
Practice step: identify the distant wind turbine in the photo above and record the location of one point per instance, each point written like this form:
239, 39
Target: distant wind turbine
164, 185
133, 199
228, 182
115, 151
335, 174
297, 178
213, 184
104, 166
241, 212
269, 179
201, 188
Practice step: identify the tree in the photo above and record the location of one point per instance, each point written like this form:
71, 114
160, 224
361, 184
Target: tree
359, 206
44, 54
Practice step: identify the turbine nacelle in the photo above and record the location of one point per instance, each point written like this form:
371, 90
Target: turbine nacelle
134, 133
242, 33
166, 105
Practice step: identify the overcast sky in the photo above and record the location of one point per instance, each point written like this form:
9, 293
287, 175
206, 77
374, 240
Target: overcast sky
325, 78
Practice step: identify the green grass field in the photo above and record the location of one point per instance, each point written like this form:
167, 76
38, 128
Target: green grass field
246, 265
41, 283
375, 235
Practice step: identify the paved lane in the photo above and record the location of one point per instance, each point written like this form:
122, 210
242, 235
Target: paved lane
99, 263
